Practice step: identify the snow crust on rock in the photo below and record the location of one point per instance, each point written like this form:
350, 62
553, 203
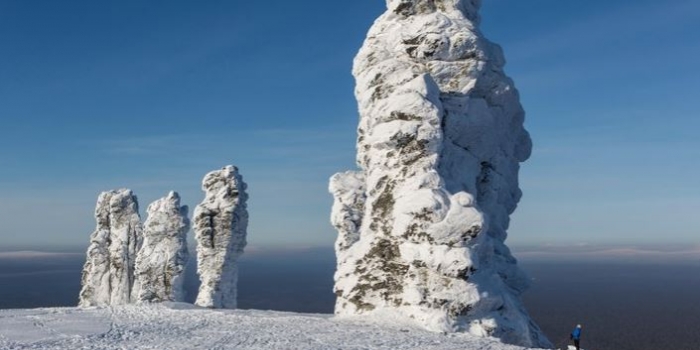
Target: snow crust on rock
161, 261
422, 225
108, 273
175, 326
220, 224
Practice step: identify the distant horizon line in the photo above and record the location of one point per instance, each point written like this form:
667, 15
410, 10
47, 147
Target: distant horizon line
636, 253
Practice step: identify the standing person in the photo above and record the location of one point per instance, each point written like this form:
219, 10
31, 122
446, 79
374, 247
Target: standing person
576, 336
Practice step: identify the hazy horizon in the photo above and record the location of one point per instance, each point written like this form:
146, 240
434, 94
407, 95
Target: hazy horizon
548, 253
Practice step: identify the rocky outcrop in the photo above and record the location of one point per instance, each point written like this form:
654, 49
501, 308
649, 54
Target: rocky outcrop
108, 274
220, 224
161, 261
422, 225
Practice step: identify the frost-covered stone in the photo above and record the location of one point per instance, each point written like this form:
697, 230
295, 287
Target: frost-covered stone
220, 224
422, 225
161, 261
108, 274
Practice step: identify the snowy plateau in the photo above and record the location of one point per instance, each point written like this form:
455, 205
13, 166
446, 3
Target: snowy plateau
184, 326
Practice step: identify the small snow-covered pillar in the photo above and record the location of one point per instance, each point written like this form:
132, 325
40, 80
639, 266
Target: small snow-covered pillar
161, 262
220, 224
108, 273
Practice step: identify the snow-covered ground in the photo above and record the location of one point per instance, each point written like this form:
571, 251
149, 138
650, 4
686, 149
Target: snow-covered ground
183, 326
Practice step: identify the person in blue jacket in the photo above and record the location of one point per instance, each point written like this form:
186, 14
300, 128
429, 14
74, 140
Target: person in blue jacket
576, 336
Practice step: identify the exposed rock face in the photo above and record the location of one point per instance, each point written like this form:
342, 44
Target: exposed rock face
422, 225
108, 274
161, 262
220, 224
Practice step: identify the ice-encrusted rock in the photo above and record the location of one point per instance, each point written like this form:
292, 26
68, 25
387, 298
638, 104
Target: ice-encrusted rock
161, 261
422, 225
108, 273
220, 224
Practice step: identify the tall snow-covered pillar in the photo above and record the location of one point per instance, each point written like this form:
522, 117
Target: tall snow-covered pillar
108, 274
220, 224
422, 224
161, 262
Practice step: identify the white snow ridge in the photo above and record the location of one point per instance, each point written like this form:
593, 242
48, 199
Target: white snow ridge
108, 274
422, 225
161, 262
220, 224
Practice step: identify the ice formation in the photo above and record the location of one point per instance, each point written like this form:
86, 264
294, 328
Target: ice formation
422, 225
163, 256
108, 274
220, 224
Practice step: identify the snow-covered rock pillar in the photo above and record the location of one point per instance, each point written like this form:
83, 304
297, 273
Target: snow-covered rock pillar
220, 224
161, 262
422, 225
108, 273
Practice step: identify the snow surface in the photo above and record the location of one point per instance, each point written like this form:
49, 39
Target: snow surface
422, 225
161, 261
174, 326
220, 226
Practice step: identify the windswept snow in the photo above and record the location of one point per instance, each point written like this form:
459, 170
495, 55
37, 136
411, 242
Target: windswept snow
176, 326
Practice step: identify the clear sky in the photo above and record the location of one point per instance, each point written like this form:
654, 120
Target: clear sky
151, 95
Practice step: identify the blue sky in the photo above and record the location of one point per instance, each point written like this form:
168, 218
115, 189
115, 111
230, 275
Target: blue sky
151, 95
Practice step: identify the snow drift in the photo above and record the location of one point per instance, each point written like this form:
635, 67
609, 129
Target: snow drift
108, 274
422, 225
220, 224
176, 326
161, 261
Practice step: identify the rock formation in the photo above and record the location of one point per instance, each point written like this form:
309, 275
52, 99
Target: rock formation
161, 262
422, 225
220, 224
108, 274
